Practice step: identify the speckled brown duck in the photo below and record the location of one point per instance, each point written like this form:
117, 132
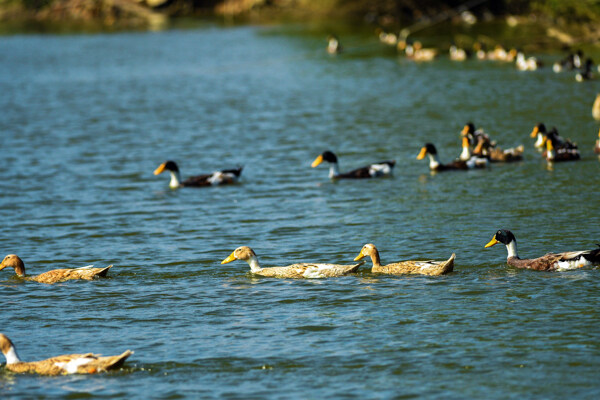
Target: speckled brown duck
548, 262
429, 267
61, 365
300, 270
56, 275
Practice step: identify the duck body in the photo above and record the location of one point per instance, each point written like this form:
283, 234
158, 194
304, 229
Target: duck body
548, 262
429, 267
435, 165
496, 154
66, 364
557, 150
222, 177
383, 168
294, 271
457, 54
526, 63
56, 275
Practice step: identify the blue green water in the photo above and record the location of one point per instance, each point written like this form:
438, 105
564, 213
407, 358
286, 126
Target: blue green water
87, 118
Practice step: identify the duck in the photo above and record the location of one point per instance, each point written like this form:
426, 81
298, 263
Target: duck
458, 54
548, 262
296, 271
585, 73
428, 267
383, 168
479, 50
596, 108
333, 45
56, 275
435, 164
222, 177
389, 38
526, 64
416, 52
60, 365
539, 132
473, 134
556, 151
565, 63
485, 148
597, 146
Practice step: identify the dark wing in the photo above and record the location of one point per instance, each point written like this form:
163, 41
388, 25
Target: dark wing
236, 172
370, 171
197, 181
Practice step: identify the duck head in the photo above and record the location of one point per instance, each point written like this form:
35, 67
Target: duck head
15, 262
173, 169
244, 253
8, 349
331, 159
507, 238
369, 250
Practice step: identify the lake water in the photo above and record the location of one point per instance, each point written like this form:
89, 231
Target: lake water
87, 118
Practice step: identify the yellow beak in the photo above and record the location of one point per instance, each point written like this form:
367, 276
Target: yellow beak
465, 130
359, 256
2, 266
549, 145
229, 259
160, 169
534, 131
317, 161
422, 154
492, 242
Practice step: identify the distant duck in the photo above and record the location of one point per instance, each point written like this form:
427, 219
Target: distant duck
222, 177
526, 64
557, 150
416, 52
61, 365
429, 267
375, 170
56, 275
458, 54
435, 164
496, 154
596, 108
333, 45
585, 74
479, 50
566, 63
500, 54
578, 59
301, 270
549, 262
391, 39
597, 146
539, 133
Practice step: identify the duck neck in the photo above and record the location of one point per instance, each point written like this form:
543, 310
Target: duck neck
375, 258
466, 153
540, 140
254, 265
175, 180
434, 161
20, 270
512, 249
334, 170
11, 356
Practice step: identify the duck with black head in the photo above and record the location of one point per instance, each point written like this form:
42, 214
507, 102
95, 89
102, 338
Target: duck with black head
435, 164
549, 262
383, 168
223, 177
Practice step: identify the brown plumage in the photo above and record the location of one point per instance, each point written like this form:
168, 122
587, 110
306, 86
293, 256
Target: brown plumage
496, 154
66, 364
300, 270
548, 262
429, 267
56, 275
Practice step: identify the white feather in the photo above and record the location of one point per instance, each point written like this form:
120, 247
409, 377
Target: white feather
71, 366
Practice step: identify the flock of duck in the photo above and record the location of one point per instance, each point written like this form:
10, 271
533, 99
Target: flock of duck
478, 150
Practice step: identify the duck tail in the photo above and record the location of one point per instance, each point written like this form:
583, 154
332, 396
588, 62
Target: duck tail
593, 256
237, 171
104, 271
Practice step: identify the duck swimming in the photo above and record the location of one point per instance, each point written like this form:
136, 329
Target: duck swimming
597, 146
301, 270
549, 262
54, 276
435, 164
333, 45
496, 154
558, 151
61, 365
223, 177
406, 267
375, 170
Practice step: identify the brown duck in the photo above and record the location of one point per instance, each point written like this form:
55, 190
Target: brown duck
56, 275
301, 270
61, 365
549, 262
429, 267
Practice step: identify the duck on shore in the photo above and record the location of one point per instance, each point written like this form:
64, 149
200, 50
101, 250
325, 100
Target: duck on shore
300, 270
223, 177
383, 168
56, 275
87, 363
549, 262
428, 267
